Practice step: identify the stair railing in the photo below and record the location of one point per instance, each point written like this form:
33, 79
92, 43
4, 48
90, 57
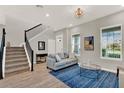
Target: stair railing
1, 53
28, 46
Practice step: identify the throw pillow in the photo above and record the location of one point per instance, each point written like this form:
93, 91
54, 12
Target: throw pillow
53, 56
58, 58
61, 55
71, 55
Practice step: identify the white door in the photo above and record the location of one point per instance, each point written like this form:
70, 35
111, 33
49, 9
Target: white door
51, 46
59, 43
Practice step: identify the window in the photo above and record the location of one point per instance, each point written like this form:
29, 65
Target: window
76, 44
111, 43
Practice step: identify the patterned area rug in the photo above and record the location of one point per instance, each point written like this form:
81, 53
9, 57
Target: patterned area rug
71, 76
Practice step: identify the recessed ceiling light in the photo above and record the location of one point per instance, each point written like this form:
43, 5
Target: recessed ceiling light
55, 29
70, 25
39, 6
122, 5
47, 15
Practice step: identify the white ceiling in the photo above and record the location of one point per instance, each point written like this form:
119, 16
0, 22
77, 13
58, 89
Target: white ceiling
61, 16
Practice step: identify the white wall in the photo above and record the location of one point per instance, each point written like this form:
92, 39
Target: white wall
59, 43
2, 23
93, 28
63, 32
43, 36
31, 34
2, 17
15, 34
51, 46
15, 30
67, 34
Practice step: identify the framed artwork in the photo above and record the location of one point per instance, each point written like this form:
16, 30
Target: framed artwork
41, 45
89, 43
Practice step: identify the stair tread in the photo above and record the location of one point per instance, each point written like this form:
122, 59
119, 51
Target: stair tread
9, 56
16, 59
16, 64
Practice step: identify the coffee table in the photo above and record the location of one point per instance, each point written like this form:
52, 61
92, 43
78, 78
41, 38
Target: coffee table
92, 67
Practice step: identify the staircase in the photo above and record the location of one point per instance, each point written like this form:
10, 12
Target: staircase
16, 61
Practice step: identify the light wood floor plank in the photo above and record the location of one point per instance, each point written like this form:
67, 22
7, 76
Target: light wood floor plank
39, 78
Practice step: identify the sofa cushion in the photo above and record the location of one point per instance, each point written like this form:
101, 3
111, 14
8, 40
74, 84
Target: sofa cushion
71, 60
71, 56
65, 62
58, 59
53, 56
61, 63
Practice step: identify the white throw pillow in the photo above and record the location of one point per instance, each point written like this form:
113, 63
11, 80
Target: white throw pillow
61, 55
58, 58
71, 55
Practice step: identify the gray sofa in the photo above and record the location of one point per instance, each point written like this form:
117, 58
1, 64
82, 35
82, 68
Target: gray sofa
65, 61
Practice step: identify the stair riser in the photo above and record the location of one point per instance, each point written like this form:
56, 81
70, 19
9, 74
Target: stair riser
15, 53
15, 50
16, 60
16, 72
9, 48
15, 69
15, 66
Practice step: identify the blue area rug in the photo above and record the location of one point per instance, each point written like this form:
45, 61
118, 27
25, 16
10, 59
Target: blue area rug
71, 76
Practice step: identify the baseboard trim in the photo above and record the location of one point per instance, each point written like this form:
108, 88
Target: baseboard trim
109, 70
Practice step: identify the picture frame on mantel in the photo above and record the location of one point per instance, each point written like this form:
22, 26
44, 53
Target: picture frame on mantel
41, 45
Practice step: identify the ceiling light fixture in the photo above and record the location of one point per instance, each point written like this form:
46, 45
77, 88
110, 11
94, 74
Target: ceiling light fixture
79, 12
70, 25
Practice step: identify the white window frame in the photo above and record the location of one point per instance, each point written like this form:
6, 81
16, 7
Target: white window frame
71, 43
115, 59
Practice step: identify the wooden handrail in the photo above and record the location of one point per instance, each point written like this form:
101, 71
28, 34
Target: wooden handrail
33, 28
28, 47
29, 50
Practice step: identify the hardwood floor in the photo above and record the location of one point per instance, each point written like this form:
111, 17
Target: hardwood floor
39, 78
